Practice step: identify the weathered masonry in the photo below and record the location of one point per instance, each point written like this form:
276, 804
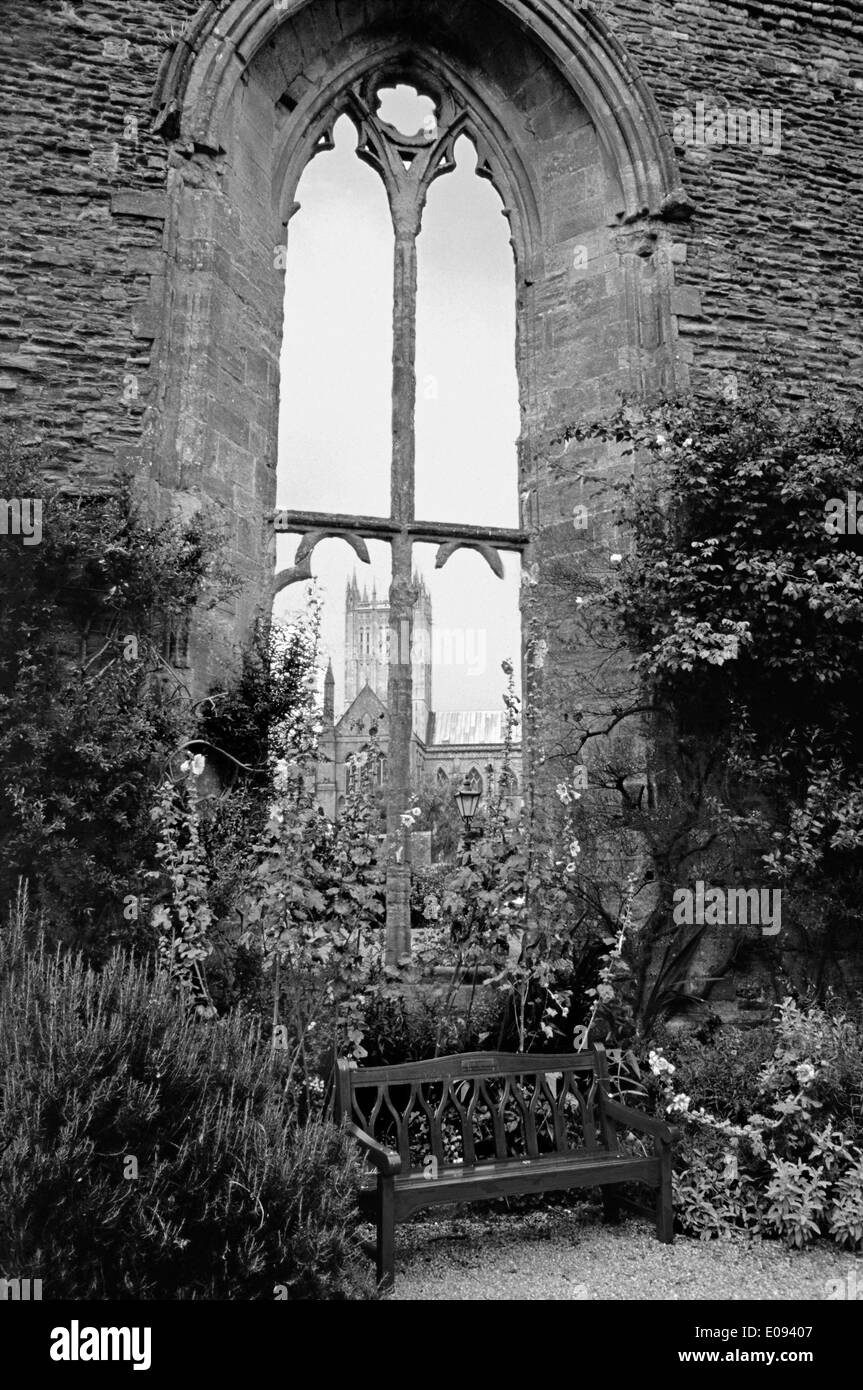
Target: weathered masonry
150, 160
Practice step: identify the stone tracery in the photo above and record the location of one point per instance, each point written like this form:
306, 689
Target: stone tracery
407, 165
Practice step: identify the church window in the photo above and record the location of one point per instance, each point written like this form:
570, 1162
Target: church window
410, 154
474, 781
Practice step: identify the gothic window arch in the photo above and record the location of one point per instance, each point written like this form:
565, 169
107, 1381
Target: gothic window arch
473, 779
234, 97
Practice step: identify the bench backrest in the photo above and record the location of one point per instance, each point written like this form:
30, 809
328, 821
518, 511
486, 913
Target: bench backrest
479, 1106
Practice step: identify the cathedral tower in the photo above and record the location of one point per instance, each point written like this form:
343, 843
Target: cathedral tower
366, 642
367, 647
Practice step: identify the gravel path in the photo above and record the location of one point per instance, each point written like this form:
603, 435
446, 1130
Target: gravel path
559, 1254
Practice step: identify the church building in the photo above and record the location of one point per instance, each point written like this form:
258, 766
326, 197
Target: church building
447, 748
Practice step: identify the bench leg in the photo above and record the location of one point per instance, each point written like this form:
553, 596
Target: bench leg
386, 1233
610, 1206
664, 1199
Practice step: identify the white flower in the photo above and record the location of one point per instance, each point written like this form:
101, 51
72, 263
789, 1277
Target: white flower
616, 558
687, 443
805, 1073
579, 602
199, 762
659, 1064
680, 1102
660, 439
574, 848
184, 767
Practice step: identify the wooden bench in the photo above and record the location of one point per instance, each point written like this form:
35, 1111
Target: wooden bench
491, 1124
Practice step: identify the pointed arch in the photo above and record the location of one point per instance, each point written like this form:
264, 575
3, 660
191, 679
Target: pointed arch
197, 78
572, 140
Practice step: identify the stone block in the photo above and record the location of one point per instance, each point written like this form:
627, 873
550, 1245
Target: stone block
139, 203
686, 301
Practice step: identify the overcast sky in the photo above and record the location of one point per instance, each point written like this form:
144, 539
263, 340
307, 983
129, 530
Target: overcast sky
335, 429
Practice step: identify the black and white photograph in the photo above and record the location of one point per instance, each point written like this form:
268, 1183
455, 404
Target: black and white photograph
431, 675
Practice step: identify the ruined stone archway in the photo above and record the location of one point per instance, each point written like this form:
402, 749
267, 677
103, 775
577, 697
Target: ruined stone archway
574, 143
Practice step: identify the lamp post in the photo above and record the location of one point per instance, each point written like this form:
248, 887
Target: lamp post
467, 799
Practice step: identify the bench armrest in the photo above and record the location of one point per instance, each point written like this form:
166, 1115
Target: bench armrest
387, 1161
637, 1120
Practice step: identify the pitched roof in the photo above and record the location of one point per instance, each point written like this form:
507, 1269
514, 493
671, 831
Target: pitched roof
460, 727
365, 703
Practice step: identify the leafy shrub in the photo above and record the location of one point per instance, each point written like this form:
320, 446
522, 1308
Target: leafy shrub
797, 1197
144, 1154
709, 1201
244, 731
791, 1165
830, 1046
741, 616
399, 1031
89, 704
724, 1073
313, 907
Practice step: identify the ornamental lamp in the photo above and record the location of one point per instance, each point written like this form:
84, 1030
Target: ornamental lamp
467, 800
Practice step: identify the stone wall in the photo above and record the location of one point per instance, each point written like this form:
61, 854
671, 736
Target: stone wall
84, 206
770, 257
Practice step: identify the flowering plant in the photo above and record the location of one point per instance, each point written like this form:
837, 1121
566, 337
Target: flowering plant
788, 1171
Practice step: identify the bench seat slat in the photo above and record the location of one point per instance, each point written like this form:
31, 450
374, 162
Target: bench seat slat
511, 1178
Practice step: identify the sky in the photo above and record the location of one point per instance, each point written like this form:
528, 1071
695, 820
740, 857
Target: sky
335, 422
